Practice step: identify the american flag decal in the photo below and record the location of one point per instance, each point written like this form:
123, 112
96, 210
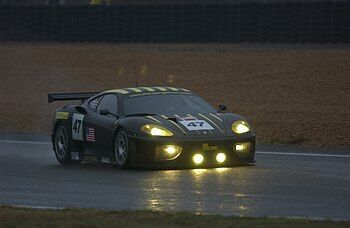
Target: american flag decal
90, 134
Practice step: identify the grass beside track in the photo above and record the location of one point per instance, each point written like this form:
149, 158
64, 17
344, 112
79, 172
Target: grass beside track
25, 217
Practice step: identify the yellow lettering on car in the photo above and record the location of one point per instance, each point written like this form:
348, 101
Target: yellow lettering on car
62, 115
207, 147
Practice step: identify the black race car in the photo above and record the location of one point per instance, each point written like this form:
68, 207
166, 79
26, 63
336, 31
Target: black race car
149, 127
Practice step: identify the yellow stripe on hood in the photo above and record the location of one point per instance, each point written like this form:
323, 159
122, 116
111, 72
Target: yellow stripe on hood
149, 89
218, 118
135, 90
161, 89
173, 89
152, 118
211, 122
117, 91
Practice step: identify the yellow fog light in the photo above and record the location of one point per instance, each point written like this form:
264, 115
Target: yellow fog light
198, 159
167, 152
156, 130
240, 127
221, 157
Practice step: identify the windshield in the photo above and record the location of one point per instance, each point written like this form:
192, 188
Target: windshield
169, 104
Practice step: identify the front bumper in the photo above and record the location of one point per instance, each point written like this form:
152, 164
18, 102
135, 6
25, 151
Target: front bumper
143, 152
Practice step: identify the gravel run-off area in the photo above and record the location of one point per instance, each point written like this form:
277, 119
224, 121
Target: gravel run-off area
294, 94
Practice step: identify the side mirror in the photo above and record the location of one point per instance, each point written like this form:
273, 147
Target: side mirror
222, 108
81, 109
104, 112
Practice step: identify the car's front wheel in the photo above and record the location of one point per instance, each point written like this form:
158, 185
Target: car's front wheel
61, 146
121, 149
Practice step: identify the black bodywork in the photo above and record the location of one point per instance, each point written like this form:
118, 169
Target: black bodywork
99, 146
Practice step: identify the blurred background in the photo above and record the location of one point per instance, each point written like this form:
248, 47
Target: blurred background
283, 65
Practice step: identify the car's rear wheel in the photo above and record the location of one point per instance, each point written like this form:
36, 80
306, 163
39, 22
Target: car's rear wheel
61, 146
121, 149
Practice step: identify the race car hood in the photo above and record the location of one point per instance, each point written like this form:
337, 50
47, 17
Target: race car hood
201, 125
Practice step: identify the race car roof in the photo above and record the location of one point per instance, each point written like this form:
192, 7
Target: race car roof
140, 90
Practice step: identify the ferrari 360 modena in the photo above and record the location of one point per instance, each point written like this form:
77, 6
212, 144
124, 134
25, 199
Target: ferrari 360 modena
149, 127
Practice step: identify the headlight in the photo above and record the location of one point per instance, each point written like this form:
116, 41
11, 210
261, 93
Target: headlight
156, 130
240, 127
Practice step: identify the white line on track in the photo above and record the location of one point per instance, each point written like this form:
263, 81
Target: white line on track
38, 207
303, 154
24, 142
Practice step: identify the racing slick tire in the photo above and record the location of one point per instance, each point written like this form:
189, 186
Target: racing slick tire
121, 149
62, 146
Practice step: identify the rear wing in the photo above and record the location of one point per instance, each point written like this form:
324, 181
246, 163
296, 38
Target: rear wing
69, 96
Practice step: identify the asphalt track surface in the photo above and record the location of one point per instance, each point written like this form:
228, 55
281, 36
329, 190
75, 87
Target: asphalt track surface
286, 181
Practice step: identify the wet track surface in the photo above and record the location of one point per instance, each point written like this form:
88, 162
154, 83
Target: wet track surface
287, 182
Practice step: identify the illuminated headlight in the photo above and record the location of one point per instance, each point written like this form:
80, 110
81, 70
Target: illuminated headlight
168, 152
156, 130
240, 127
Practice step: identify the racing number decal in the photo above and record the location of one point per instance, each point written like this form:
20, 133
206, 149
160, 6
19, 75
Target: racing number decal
77, 126
194, 125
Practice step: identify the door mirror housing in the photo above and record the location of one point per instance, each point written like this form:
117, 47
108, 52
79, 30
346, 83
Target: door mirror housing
222, 107
106, 112
81, 109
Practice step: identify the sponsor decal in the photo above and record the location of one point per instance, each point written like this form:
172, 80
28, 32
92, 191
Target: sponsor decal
90, 134
105, 160
77, 126
195, 125
62, 115
207, 147
90, 158
74, 155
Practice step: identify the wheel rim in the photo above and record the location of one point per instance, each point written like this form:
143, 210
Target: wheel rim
61, 142
121, 148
